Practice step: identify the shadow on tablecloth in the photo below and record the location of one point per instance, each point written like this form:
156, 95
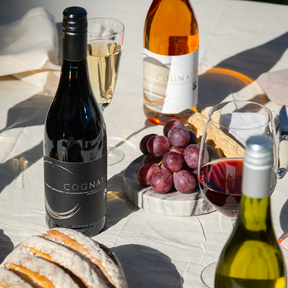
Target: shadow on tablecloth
147, 267
27, 113
12, 168
6, 245
30, 112
118, 205
234, 73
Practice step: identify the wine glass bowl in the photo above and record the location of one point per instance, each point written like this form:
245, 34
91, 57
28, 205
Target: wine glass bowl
104, 49
105, 41
221, 156
228, 126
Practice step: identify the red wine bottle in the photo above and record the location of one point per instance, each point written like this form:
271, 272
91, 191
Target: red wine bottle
75, 144
170, 59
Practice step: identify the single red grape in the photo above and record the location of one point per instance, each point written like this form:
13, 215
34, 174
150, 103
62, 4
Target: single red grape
162, 181
170, 124
158, 145
191, 155
193, 171
143, 142
173, 161
184, 181
178, 136
146, 173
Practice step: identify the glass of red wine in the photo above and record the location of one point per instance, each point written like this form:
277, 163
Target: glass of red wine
221, 155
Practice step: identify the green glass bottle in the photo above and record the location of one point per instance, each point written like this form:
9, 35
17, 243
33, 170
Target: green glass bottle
252, 257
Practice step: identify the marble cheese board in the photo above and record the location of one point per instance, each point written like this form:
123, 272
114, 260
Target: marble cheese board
172, 203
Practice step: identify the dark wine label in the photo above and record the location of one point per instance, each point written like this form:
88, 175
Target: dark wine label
75, 193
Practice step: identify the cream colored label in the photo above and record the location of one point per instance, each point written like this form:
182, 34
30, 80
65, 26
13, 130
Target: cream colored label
170, 82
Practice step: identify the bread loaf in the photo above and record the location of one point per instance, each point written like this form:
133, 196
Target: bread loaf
63, 255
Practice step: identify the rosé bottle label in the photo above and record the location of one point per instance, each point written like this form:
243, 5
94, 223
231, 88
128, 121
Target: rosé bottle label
170, 82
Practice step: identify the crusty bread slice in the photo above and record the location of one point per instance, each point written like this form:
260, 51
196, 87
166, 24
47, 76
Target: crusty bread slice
9, 279
107, 262
36, 271
67, 258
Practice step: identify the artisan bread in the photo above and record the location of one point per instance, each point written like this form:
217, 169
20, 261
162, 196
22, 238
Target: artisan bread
65, 254
95, 252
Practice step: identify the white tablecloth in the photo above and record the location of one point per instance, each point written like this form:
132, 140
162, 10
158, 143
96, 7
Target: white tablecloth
155, 250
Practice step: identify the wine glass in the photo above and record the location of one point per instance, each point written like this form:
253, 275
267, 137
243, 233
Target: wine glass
221, 155
105, 42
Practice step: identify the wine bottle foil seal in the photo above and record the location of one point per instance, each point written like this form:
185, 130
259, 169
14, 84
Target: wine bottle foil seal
74, 33
258, 163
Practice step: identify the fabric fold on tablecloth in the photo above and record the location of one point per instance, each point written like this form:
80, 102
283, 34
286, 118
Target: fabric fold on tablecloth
275, 86
29, 49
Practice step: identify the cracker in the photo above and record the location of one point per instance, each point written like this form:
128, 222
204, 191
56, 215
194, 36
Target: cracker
224, 145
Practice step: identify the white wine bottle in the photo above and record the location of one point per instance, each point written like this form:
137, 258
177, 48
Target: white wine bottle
252, 257
170, 59
75, 144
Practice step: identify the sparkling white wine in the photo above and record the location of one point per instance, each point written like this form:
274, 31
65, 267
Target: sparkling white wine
170, 59
75, 148
252, 257
103, 62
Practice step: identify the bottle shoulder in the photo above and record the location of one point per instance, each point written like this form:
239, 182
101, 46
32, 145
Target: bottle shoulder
171, 24
166, 14
74, 126
254, 249
73, 110
169, 6
72, 102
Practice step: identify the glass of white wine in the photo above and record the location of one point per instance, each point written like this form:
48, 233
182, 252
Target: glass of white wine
105, 42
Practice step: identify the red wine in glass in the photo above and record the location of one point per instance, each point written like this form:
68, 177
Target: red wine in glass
220, 181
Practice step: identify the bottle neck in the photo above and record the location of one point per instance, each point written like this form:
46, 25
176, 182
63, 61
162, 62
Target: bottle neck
257, 180
255, 214
74, 46
74, 62
255, 210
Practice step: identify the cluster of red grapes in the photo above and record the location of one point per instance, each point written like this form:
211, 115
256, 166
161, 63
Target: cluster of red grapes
170, 159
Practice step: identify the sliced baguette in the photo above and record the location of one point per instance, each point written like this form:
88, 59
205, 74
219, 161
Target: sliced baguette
67, 258
99, 255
